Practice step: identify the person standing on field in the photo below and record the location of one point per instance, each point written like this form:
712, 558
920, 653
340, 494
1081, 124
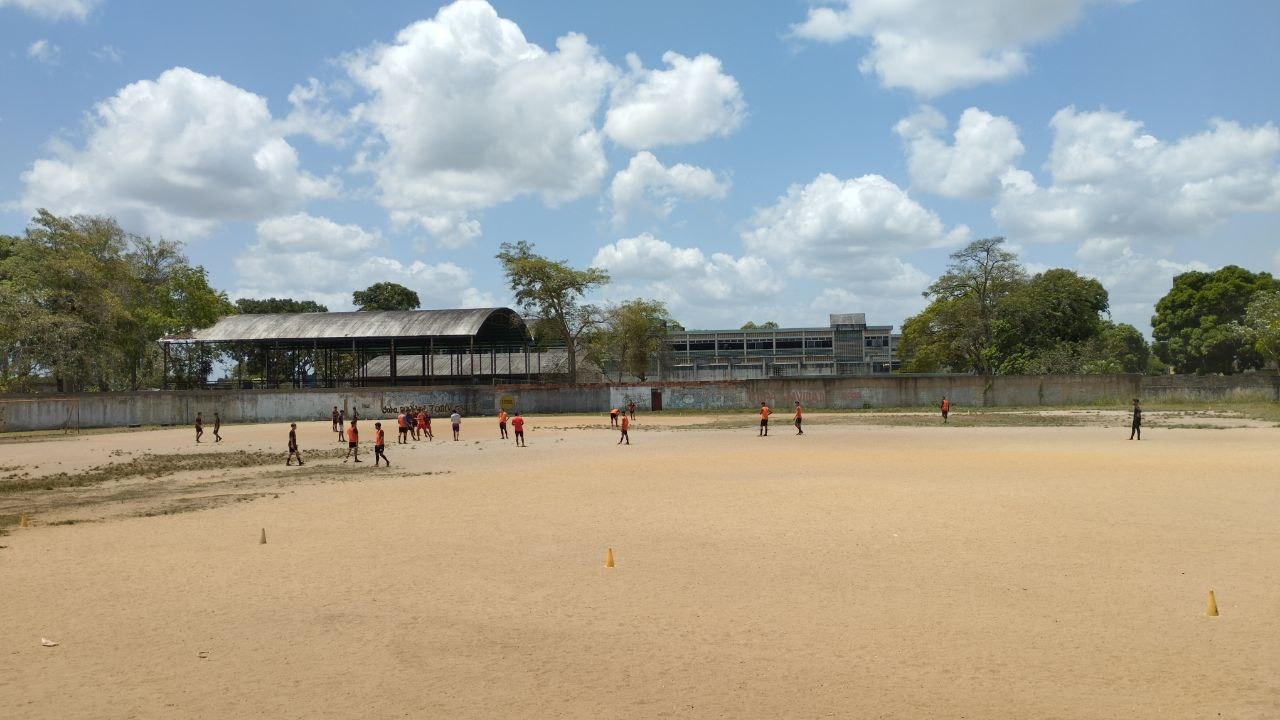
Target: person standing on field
402, 425
502, 423
342, 424
799, 419
1136, 427
517, 424
217, 428
199, 427
379, 445
626, 425
424, 423
337, 422
764, 420
945, 406
613, 417
353, 443
631, 409
456, 419
293, 445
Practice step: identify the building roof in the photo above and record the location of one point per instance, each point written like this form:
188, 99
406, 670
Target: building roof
482, 324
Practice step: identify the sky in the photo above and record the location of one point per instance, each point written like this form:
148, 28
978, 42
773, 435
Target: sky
740, 161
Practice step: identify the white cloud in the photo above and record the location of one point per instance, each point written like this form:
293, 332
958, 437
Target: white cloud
690, 102
54, 9
176, 156
645, 184
109, 53
1134, 280
314, 258
471, 115
934, 46
313, 115
1110, 179
43, 52
985, 147
845, 228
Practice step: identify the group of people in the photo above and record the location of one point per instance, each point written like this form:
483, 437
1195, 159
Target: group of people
217, 427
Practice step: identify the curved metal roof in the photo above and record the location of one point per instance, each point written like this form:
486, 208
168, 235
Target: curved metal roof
502, 324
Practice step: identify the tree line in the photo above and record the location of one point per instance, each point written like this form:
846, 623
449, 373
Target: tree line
83, 304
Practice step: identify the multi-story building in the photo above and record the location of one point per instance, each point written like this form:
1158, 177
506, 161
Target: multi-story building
847, 347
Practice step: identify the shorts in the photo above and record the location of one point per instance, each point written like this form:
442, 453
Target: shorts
457, 427
764, 422
404, 430
353, 444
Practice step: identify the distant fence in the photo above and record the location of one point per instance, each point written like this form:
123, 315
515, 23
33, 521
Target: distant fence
87, 410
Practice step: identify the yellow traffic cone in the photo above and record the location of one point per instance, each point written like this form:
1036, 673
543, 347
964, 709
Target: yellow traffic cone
1211, 606
22, 520
263, 539
608, 558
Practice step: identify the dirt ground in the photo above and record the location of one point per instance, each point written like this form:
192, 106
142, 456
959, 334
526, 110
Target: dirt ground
860, 571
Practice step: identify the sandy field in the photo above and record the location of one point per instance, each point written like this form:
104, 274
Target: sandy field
859, 571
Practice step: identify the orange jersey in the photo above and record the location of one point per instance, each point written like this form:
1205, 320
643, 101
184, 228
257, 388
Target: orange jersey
352, 435
517, 422
626, 423
402, 422
946, 405
799, 414
378, 437
764, 412
502, 416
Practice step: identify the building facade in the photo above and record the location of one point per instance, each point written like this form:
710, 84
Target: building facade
847, 347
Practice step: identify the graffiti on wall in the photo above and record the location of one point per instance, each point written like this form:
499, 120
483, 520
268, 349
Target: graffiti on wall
436, 403
620, 396
696, 398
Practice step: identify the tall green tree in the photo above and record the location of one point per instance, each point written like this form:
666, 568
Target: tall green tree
752, 325
386, 296
632, 338
1195, 324
552, 292
1051, 308
957, 331
273, 306
1261, 325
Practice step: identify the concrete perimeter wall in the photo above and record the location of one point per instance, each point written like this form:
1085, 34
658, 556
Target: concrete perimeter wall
47, 412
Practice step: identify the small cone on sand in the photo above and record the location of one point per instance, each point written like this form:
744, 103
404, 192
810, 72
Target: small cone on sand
1211, 606
263, 540
608, 558
22, 520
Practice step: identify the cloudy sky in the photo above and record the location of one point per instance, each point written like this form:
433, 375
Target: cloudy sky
772, 160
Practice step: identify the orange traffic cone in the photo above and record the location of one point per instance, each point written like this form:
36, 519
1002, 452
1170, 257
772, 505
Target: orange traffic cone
1211, 606
608, 558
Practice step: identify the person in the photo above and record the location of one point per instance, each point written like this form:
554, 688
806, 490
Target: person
517, 424
342, 423
764, 420
502, 423
217, 427
626, 424
613, 417
1136, 427
946, 408
355, 414
353, 443
337, 424
379, 445
412, 420
293, 445
631, 409
456, 419
424, 424
799, 419
199, 427
403, 424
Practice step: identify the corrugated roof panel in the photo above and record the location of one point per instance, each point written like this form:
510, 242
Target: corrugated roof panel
338, 325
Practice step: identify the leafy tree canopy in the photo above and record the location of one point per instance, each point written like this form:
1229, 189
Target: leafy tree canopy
273, 306
1261, 325
768, 325
1195, 324
386, 296
632, 337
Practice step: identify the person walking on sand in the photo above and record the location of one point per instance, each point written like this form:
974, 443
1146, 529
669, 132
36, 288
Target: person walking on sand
764, 420
613, 417
217, 428
199, 427
502, 423
945, 406
402, 425
799, 419
424, 424
342, 424
456, 419
353, 443
337, 422
1136, 427
293, 445
517, 424
379, 445
626, 425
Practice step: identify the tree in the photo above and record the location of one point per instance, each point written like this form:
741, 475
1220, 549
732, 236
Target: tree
1052, 308
632, 336
551, 290
1195, 324
768, 325
957, 330
1261, 325
386, 296
272, 306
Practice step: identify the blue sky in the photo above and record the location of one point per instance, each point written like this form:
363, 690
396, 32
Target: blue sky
740, 161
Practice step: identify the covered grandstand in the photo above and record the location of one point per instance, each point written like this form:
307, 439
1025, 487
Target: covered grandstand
335, 349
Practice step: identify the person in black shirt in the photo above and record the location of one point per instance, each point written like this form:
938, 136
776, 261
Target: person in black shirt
1136, 428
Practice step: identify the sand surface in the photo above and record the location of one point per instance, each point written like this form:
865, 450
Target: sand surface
857, 571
